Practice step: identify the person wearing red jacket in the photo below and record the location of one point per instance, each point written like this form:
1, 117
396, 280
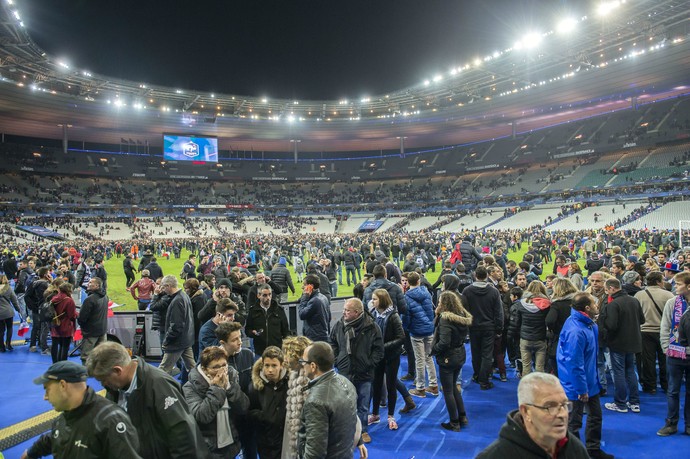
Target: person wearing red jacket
142, 290
65, 323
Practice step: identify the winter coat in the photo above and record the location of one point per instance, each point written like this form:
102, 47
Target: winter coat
622, 318
365, 350
394, 291
160, 413
179, 324
281, 276
329, 419
448, 344
93, 315
206, 400
8, 302
470, 256
155, 270
484, 304
66, 312
418, 320
531, 319
578, 348
267, 410
515, 443
273, 322
558, 313
315, 312
393, 337
95, 429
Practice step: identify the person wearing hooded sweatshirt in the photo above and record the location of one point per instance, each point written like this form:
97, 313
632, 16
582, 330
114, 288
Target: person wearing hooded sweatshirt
418, 320
448, 346
531, 327
268, 402
485, 306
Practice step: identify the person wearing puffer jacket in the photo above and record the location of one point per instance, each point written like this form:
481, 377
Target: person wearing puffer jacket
531, 327
418, 321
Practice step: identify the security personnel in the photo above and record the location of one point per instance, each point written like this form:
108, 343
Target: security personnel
89, 427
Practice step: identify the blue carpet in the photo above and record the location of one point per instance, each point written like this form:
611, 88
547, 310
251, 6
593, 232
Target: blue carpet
626, 435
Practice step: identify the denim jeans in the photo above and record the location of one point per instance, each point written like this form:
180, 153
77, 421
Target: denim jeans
350, 275
39, 332
624, 379
334, 288
532, 351
676, 368
455, 405
601, 366
363, 399
422, 349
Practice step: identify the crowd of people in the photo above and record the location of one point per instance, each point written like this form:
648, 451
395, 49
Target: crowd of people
234, 377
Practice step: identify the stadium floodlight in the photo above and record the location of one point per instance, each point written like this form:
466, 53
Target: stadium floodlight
427, 82
477, 62
566, 25
606, 7
528, 41
438, 78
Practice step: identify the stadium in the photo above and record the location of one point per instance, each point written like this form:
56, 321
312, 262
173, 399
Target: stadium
572, 134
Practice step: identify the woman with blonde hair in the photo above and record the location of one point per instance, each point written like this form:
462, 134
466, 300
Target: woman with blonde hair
448, 346
561, 302
8, 300
293, 349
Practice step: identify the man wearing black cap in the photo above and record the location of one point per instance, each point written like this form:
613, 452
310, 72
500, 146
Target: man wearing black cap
90, 426
154, 401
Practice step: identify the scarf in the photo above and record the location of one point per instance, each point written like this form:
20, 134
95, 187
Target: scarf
223, 429
350, 331
675, 349
382, 317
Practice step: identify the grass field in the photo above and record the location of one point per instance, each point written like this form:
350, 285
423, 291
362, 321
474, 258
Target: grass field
118, 293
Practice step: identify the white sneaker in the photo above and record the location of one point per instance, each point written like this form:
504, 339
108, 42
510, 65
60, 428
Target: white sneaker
635, 408
613, 407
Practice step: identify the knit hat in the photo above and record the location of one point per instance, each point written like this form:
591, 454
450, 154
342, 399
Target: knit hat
282, 261
224, 282
630, 277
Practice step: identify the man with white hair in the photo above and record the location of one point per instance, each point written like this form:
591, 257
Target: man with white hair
179, 331
539, 425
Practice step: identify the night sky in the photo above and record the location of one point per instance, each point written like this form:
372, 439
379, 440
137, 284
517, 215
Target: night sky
294, 49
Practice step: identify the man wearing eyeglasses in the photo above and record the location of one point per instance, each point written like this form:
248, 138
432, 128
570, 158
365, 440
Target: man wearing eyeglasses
577, 369
539, 425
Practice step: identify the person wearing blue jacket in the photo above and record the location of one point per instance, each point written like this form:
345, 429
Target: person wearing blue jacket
576, 357
314, 310
418, 321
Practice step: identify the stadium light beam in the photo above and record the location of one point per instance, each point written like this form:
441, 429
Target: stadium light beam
566, 25
606, 7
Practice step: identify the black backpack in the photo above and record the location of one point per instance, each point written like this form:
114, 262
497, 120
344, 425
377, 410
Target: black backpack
47, 312
33, 298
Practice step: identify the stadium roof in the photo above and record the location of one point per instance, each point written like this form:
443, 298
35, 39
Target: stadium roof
641, 50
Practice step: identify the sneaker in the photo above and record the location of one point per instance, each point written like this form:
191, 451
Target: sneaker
613, 407
668, 429
373, 419
32, 349
392, 425
433, 390
421, 393
365, 437
504, 377
407, 377
45, 352
486, 386
634, 407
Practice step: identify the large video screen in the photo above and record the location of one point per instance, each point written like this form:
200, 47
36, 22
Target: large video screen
190, 148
